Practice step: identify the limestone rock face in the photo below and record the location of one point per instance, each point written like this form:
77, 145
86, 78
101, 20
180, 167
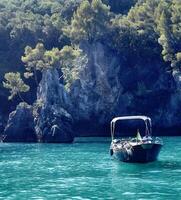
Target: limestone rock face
108, 86
20, 126
54, 123
95, 96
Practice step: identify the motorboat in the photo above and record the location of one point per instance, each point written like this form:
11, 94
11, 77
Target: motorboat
136, 149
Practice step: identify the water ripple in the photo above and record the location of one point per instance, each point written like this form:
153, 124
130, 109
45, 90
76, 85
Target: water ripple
83, 171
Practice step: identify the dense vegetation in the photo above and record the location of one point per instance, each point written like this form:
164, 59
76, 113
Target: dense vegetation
36, 35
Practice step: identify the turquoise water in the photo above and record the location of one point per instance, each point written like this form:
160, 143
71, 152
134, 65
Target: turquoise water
86, 171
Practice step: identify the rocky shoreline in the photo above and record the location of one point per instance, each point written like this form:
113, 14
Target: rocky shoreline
106, 88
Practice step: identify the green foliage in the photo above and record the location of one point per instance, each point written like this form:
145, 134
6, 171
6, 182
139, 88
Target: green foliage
28, 22
15, 84
165, 38
40, 59
90, 22
145, 30
73, 61
148, 25
168, 19
33, 57
134, 35
165, 35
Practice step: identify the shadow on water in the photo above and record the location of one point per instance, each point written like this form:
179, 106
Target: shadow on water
153, 167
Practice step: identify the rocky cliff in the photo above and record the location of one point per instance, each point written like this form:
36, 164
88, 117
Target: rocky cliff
108, 86
53, 122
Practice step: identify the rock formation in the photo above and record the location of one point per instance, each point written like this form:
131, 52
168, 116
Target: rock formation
107, 87
53, 123
20, 126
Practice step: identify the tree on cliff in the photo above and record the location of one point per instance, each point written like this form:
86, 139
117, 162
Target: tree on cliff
15, 84
39, 59
133, 35
68, 60
165, 39
72, 62
168, 26
90, 22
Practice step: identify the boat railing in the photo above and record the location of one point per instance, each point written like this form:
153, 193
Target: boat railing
155, 140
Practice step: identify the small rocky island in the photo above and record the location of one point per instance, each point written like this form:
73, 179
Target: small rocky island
93, 71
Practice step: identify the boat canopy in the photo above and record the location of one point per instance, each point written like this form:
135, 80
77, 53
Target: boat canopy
146, 120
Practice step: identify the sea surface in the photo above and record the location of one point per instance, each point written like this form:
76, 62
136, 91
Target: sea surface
84, 170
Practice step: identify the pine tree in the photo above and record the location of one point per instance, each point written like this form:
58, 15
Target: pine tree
90, 22
15, 84
68, 60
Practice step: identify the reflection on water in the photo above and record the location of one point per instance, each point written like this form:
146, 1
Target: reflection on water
86, 171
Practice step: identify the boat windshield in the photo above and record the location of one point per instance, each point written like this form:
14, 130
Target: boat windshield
146, 120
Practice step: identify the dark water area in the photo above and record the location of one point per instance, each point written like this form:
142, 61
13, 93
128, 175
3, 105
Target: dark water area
84, 170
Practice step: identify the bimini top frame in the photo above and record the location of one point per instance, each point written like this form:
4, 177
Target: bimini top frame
147, 121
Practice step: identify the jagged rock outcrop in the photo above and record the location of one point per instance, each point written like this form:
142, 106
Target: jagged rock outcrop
53, 123
20, 126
